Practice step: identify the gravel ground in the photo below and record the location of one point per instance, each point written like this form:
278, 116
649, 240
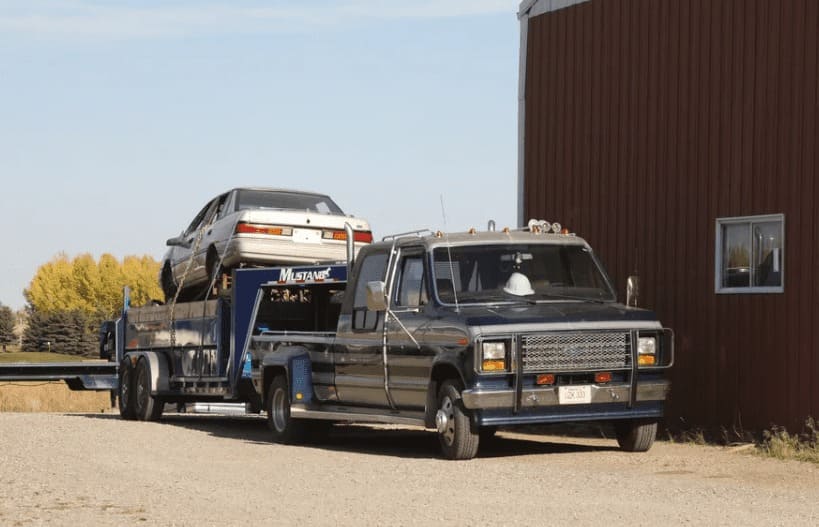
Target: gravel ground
208, 470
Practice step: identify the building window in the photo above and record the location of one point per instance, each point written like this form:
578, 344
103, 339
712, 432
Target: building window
751, 254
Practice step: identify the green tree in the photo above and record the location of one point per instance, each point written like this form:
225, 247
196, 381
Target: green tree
69, 332
7, 321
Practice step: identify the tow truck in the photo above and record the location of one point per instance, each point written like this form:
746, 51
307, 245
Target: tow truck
458, 333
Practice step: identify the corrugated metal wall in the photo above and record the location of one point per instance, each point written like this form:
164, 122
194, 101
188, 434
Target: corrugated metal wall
648, 119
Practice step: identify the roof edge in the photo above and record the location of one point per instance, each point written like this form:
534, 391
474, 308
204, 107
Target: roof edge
532, 8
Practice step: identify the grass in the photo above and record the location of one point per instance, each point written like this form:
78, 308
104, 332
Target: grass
47, 396
780, 444
38, 357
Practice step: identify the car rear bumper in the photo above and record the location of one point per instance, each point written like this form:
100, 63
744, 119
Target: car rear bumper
269, 251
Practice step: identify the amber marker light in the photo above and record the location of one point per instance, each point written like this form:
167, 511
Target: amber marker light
545, 378
602, 377
494, 365
646, 360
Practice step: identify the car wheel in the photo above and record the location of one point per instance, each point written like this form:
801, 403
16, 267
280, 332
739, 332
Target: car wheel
636, 435
455, 432
214, 273
167, 282
284, 428
146, 406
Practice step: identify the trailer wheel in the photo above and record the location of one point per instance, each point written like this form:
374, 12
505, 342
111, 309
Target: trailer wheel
455, 432
146, 406
636, 435
285, 429
126, 390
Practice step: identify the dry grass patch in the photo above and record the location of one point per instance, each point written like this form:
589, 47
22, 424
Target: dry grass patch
50, 397
804, 446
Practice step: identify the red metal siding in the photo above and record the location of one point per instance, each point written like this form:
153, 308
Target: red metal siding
648, 119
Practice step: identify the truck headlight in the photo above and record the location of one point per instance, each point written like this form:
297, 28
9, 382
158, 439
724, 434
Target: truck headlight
646, 351
493, 356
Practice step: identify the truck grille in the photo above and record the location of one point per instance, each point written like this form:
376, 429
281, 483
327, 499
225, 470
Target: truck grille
553, 352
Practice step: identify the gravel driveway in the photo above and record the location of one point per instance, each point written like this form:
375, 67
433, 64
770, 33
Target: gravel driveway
208, 470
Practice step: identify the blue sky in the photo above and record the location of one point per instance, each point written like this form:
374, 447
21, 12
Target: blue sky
119, 120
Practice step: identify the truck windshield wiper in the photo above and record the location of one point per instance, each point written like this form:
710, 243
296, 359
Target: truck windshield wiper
571, 297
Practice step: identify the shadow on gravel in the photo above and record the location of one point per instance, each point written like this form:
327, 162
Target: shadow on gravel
410, 443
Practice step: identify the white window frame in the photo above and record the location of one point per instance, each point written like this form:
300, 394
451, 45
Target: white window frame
751, 289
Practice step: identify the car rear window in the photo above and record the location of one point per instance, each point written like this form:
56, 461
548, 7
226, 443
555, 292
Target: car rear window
262, 199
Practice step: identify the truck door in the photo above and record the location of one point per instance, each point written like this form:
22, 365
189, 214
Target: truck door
409, 358
358, 358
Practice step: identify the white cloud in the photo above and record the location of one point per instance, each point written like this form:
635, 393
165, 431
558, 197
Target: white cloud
120, 20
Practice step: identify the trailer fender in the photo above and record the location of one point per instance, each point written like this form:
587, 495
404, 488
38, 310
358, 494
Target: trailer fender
157, 365
294, 362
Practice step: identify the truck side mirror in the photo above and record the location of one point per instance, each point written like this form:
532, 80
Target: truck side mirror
632, 290
376, 296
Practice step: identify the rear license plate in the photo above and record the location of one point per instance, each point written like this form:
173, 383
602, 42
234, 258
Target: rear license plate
306, 236
574, 394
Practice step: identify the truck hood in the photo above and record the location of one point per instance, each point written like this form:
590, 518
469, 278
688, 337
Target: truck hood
552, 313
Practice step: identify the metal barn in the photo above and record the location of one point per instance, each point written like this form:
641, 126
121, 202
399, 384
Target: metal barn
679, 137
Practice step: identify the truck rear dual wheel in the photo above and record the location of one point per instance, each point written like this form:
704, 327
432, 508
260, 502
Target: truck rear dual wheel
147, 407
458, 438
636, 435
284, 428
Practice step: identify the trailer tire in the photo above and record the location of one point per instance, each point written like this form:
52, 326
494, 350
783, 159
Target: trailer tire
458, 438
126, 390
146, 406
284, 429
636, 435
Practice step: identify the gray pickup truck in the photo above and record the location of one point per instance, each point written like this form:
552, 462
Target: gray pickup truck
460, 333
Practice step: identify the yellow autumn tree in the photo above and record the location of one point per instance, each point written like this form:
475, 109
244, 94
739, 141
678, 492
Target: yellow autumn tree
92, 286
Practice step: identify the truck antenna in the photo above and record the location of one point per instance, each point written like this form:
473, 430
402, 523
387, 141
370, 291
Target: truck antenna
449, 256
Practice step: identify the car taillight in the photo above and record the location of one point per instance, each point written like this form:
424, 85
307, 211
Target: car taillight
255, 228
358, 236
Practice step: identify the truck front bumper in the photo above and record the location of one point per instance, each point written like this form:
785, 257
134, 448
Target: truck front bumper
541, 404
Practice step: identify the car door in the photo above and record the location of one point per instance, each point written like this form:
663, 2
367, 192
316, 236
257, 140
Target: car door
358, 350
409, 356
189, 250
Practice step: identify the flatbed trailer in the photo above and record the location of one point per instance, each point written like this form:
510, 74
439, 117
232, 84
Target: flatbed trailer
176, 353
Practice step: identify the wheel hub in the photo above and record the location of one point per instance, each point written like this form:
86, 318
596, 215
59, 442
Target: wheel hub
441, 421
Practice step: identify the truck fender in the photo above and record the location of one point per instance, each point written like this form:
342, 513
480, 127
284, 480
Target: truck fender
157, 366
442, 370
294, 362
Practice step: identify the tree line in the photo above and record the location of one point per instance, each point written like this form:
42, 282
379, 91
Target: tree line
68, 298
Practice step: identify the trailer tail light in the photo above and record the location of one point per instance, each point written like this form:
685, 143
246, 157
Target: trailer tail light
358, 236
256, 228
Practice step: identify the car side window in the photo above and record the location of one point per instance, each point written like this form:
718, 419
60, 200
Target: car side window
412, 288
199, 218
372, 269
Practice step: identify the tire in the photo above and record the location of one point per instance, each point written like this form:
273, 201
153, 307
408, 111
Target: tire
146, 406
458, 438
636, 435
284, 429
126, 390
167, 283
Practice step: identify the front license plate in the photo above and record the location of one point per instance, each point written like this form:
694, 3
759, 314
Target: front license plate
574, 394
306, 236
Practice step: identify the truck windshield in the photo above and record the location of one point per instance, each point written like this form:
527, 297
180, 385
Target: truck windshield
525, 272
266, 199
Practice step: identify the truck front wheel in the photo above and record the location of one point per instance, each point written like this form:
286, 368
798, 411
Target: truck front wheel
284, 429
455, 432
636, 435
